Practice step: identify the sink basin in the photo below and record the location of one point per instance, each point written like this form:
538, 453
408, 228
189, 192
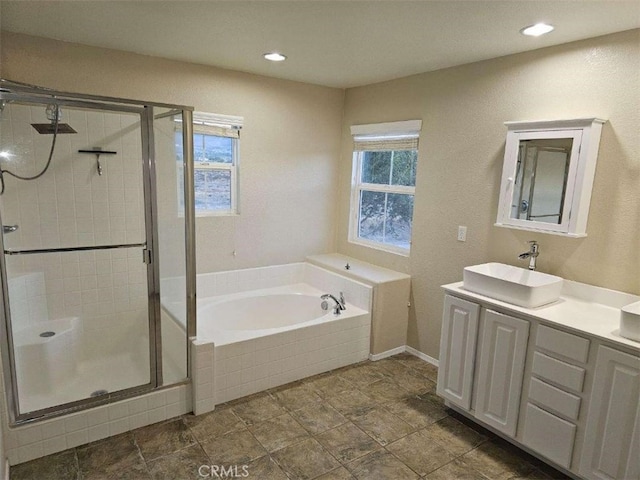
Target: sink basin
525, 288
630, 321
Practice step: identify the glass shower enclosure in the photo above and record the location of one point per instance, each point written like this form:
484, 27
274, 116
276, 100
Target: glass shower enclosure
90, 252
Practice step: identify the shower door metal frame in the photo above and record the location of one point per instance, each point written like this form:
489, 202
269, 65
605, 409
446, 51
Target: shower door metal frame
145, 112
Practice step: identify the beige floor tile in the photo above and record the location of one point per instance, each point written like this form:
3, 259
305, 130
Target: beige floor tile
352, 403
420, 453
454, 436
362, 375
317, 418
347, 442
380, 465
61, 466
383, 426
107, 458
295, 396
417, 411
163, 438
337, 474
264, 468
330, 385
305, 460
278, 432
413, 382
390, 366
215, 423
498, 461
257, 409
457, 470
185, 464
384, 391
235, 448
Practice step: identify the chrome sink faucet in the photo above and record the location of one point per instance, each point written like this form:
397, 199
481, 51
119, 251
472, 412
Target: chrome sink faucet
339, 302
532, 254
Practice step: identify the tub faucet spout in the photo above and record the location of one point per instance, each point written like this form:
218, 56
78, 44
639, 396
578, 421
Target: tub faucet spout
339, 302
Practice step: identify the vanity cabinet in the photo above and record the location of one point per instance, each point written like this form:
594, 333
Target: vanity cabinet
612, 439
501, 344
503, 347
568, 397
458, 350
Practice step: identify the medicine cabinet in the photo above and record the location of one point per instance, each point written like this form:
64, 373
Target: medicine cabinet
548, 174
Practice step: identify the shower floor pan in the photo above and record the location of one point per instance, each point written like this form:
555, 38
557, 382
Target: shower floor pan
50, 370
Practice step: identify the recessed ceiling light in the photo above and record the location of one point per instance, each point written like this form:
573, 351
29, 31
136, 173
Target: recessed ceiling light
275, 57
537, 29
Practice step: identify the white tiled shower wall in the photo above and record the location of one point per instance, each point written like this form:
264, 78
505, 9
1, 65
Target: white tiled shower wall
69, 206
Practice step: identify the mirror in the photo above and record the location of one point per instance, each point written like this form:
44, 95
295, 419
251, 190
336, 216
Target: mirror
548, 174
541, 179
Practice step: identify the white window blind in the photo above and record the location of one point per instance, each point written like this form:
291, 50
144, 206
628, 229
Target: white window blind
386, 136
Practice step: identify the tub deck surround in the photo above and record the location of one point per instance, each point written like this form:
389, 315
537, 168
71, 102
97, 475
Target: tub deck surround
391, 292
581, 308
273, 333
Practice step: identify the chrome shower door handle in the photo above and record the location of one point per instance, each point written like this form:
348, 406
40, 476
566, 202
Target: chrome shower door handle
9, 228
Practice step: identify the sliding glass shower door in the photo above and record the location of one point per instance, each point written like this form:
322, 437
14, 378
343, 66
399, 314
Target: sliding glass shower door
81, 286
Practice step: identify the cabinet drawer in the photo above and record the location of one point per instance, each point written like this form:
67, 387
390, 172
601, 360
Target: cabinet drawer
549, 435
558, 372
556, 400
563, 344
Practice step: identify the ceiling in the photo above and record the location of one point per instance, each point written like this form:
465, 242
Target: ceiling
334, 43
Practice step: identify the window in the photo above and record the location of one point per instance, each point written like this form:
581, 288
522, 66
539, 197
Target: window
215, 155
385, 158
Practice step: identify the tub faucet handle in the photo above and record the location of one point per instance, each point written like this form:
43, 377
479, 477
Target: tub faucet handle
342, 299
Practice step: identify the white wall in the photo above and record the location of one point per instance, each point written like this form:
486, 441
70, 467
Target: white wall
460, 162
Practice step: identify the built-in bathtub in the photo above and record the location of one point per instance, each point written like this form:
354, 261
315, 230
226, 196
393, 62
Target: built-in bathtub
263, 327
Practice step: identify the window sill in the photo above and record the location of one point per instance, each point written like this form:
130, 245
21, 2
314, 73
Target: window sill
402, 252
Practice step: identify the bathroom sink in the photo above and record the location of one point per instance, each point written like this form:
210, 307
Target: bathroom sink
630, 321
518, 286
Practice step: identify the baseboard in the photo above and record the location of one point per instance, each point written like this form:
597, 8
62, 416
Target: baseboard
402, 349
422, 356
388, 353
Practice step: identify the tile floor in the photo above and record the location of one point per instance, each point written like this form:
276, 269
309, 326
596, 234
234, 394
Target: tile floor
374, 420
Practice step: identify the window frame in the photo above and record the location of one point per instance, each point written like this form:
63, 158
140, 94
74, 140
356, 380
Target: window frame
388, 136
206, 124
357, 187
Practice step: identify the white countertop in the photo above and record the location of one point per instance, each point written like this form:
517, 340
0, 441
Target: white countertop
583, 308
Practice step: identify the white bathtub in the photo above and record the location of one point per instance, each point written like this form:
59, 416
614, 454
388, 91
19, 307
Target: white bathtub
275, 332
258, 313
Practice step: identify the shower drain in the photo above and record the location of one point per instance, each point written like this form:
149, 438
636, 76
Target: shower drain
97, 393
47, 334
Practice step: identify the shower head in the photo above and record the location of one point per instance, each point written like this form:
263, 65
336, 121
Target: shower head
54, 114
50, 128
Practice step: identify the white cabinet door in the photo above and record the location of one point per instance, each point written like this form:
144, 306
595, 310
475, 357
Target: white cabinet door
612, 438
501, 369
458, 351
